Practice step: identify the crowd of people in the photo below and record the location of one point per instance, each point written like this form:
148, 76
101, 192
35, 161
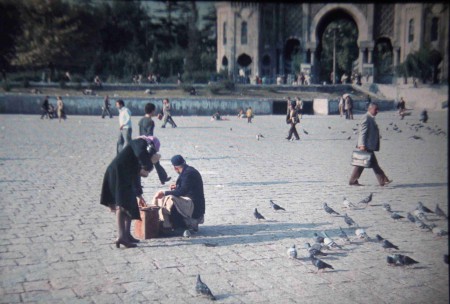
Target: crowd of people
49, 111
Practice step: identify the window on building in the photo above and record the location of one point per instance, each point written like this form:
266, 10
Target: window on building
434, 28
244, 32
411, 30
224, 33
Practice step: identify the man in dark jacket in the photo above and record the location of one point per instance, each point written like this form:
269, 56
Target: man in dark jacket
45, 108
186, 195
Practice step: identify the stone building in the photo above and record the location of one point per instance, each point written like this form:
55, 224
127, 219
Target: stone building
258, 39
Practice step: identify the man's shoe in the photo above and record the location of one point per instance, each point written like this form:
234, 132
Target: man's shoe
163, 126
355, 184
387, 182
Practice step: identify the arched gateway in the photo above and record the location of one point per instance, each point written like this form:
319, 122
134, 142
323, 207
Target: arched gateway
284, 39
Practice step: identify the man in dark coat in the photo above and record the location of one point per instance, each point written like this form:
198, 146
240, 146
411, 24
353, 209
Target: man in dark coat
121, 184
186, 195
45, 108
369, 140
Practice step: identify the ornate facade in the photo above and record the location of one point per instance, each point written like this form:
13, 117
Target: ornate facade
257, 38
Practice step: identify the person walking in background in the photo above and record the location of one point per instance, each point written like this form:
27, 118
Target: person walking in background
369, 140
401, 106
348, 107
299, 106
167, 118
146, 124
60, 109
45, 108
125, 125
146, 128
249, 115
292, 119
105, 107
341, 105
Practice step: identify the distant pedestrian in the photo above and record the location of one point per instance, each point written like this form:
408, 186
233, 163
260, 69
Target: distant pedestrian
167, 118
146, 124
401, 106
60, 109
292, 119
249, 115
125, 125
341, 105
299, 106
348, 104
369, 140
45, 108
105, 108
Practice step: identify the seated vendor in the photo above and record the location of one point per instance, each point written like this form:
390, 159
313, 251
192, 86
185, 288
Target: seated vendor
186, 196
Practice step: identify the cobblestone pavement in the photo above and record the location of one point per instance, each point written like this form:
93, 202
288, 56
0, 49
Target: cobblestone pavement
56, 240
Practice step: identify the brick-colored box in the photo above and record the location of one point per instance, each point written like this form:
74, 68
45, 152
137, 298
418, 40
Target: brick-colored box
148, 227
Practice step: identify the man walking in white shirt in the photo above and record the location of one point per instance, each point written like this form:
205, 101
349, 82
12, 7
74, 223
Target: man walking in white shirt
125, 125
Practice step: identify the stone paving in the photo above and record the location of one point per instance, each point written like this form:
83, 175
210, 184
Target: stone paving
56, 240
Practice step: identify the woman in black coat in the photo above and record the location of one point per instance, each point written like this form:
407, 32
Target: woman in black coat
121, 184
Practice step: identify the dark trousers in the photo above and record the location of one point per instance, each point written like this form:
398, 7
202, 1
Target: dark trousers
293, 131
45, 113
349, 114
106, 110
379, 173
162, 174
169, 119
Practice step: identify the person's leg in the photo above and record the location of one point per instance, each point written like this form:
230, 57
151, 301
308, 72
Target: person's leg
122, 239
162, 174
126, 134
297, 137
379, 173
172, 122
165, 118
120, 142
356, 173
128, 235
291, 131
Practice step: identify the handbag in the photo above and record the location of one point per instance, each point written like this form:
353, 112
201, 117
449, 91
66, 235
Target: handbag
361, 159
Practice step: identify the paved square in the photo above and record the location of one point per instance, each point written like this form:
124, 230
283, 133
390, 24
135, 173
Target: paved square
56, 240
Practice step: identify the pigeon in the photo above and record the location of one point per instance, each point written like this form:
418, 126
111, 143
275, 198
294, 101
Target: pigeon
319, 263
439, 232
329, 127
275, 206
343, 235
361, 233
388, 245
379, 238
202, 289
420, 215
306, 132
396, 216
387, 207
258, 215
292, 252
400, 260
365, 201
350, 137
422, 208
411, 217
348, 220
416, 137
348, 204
329, 242
187, 234
420, 224
318, 239
329, 210
257, 137
260, 135
314, 251
438, 211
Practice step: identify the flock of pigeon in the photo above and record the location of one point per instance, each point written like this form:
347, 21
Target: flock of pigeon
325, 242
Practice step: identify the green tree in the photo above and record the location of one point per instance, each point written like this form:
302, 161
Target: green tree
49, 35
9, 31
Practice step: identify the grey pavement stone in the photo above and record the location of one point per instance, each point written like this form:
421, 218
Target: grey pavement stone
56, 240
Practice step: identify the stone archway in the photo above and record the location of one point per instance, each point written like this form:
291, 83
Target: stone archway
323, 18
291, 52
383, 59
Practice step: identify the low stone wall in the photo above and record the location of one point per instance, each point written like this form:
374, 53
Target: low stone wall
92, 105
